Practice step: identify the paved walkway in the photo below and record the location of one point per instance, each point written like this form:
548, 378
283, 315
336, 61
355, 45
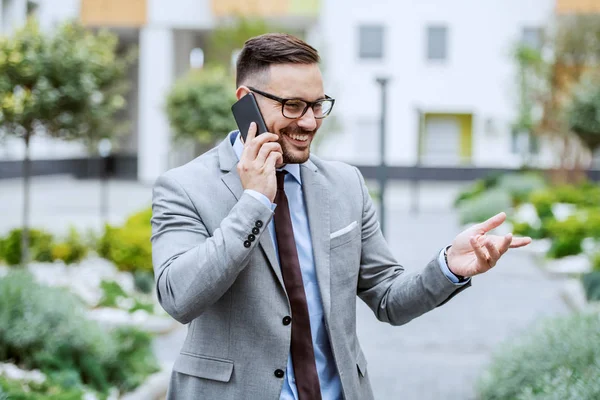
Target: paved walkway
437, 356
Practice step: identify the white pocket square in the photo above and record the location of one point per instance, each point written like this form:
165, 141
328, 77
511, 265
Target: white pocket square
343, 230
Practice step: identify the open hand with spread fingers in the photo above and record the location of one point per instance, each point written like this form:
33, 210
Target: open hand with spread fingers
474, 252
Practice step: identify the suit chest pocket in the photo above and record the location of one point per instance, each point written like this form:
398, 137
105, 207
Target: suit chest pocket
344, 235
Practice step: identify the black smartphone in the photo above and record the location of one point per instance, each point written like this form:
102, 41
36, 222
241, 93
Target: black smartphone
246, 111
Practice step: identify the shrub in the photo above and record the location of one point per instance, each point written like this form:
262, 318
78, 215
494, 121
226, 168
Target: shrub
543, 200
143, 281
591, 284
45, 328
72, 250
524, 229
596, 262
111, 292
47, 390
40, 243
484, 206
567, 237
129, 246
557, 357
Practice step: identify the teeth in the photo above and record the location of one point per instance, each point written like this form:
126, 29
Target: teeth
302, 138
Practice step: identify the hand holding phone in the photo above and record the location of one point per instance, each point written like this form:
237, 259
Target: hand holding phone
258, 162
246, 111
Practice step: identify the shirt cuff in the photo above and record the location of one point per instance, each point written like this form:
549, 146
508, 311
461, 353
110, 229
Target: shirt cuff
262, 198
446, 270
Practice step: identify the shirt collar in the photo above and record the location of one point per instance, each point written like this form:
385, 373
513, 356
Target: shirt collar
238, 148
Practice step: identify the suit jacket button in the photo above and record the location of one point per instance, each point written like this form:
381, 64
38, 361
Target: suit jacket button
255, 231
247, 244
287, 320
259, 224
279, 373
251, 238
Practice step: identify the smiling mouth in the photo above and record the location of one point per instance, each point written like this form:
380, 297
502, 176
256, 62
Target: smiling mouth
299, 137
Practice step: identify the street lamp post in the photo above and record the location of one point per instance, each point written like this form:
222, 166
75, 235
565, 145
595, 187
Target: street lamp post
104, 149
382, 170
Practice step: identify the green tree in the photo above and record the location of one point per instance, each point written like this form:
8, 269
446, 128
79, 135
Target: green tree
547, 77
199, 106
584, 114
67, 84
229, 37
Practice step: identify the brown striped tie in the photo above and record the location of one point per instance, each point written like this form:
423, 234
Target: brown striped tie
303, 355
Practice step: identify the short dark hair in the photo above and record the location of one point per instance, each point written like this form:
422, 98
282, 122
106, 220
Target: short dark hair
272, 48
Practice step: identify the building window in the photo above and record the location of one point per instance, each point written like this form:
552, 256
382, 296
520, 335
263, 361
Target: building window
532, 37
370, 42
524, 143
437, 43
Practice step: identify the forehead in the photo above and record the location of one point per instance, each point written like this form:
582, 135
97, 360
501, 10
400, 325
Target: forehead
296, 80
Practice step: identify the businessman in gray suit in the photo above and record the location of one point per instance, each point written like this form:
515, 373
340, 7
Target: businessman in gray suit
262, 248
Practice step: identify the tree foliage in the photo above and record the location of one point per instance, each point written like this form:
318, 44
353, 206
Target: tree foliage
199, 106
548, 76
68, 83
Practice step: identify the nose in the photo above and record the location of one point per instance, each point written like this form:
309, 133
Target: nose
308, 121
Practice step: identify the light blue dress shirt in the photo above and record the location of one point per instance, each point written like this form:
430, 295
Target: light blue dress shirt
331, 388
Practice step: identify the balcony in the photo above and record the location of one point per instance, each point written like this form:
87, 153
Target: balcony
114, 13
565, 7
265, 8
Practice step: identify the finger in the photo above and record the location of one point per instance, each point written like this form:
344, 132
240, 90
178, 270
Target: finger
492, 223
274, 158
506, 240
520, 242
493, 252
251, 133
482, 257
253, 146
266, 149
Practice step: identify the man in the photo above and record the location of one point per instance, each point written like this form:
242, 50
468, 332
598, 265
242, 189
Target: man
262, 249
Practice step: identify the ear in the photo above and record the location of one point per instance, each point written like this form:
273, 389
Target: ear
241, 92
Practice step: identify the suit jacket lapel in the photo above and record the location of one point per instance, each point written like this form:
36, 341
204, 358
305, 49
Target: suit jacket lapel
232, 180
316, 198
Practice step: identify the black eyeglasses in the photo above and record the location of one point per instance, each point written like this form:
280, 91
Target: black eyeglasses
296, 108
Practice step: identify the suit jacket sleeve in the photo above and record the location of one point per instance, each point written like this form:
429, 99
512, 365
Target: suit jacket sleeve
194, 267
394, 295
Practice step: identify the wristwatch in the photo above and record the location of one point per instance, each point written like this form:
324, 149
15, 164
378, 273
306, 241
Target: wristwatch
461, 279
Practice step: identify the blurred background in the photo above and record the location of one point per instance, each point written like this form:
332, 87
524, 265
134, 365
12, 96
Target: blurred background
453, 110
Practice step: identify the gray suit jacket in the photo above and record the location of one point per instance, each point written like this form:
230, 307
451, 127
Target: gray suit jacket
233, 296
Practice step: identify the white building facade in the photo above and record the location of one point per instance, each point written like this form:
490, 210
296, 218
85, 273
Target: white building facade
452, 92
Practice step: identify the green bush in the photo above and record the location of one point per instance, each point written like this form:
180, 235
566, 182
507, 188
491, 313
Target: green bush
557, 359
40, 242
524, 229
128, 246
596, 262
484, 206
566, 236
72, 250
543, 200
47, 390
143, 281
111, 292
45, 328
591, 284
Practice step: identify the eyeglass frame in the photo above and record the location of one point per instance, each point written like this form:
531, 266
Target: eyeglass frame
281, 100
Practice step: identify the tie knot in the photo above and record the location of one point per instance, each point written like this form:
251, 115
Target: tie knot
280, 176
